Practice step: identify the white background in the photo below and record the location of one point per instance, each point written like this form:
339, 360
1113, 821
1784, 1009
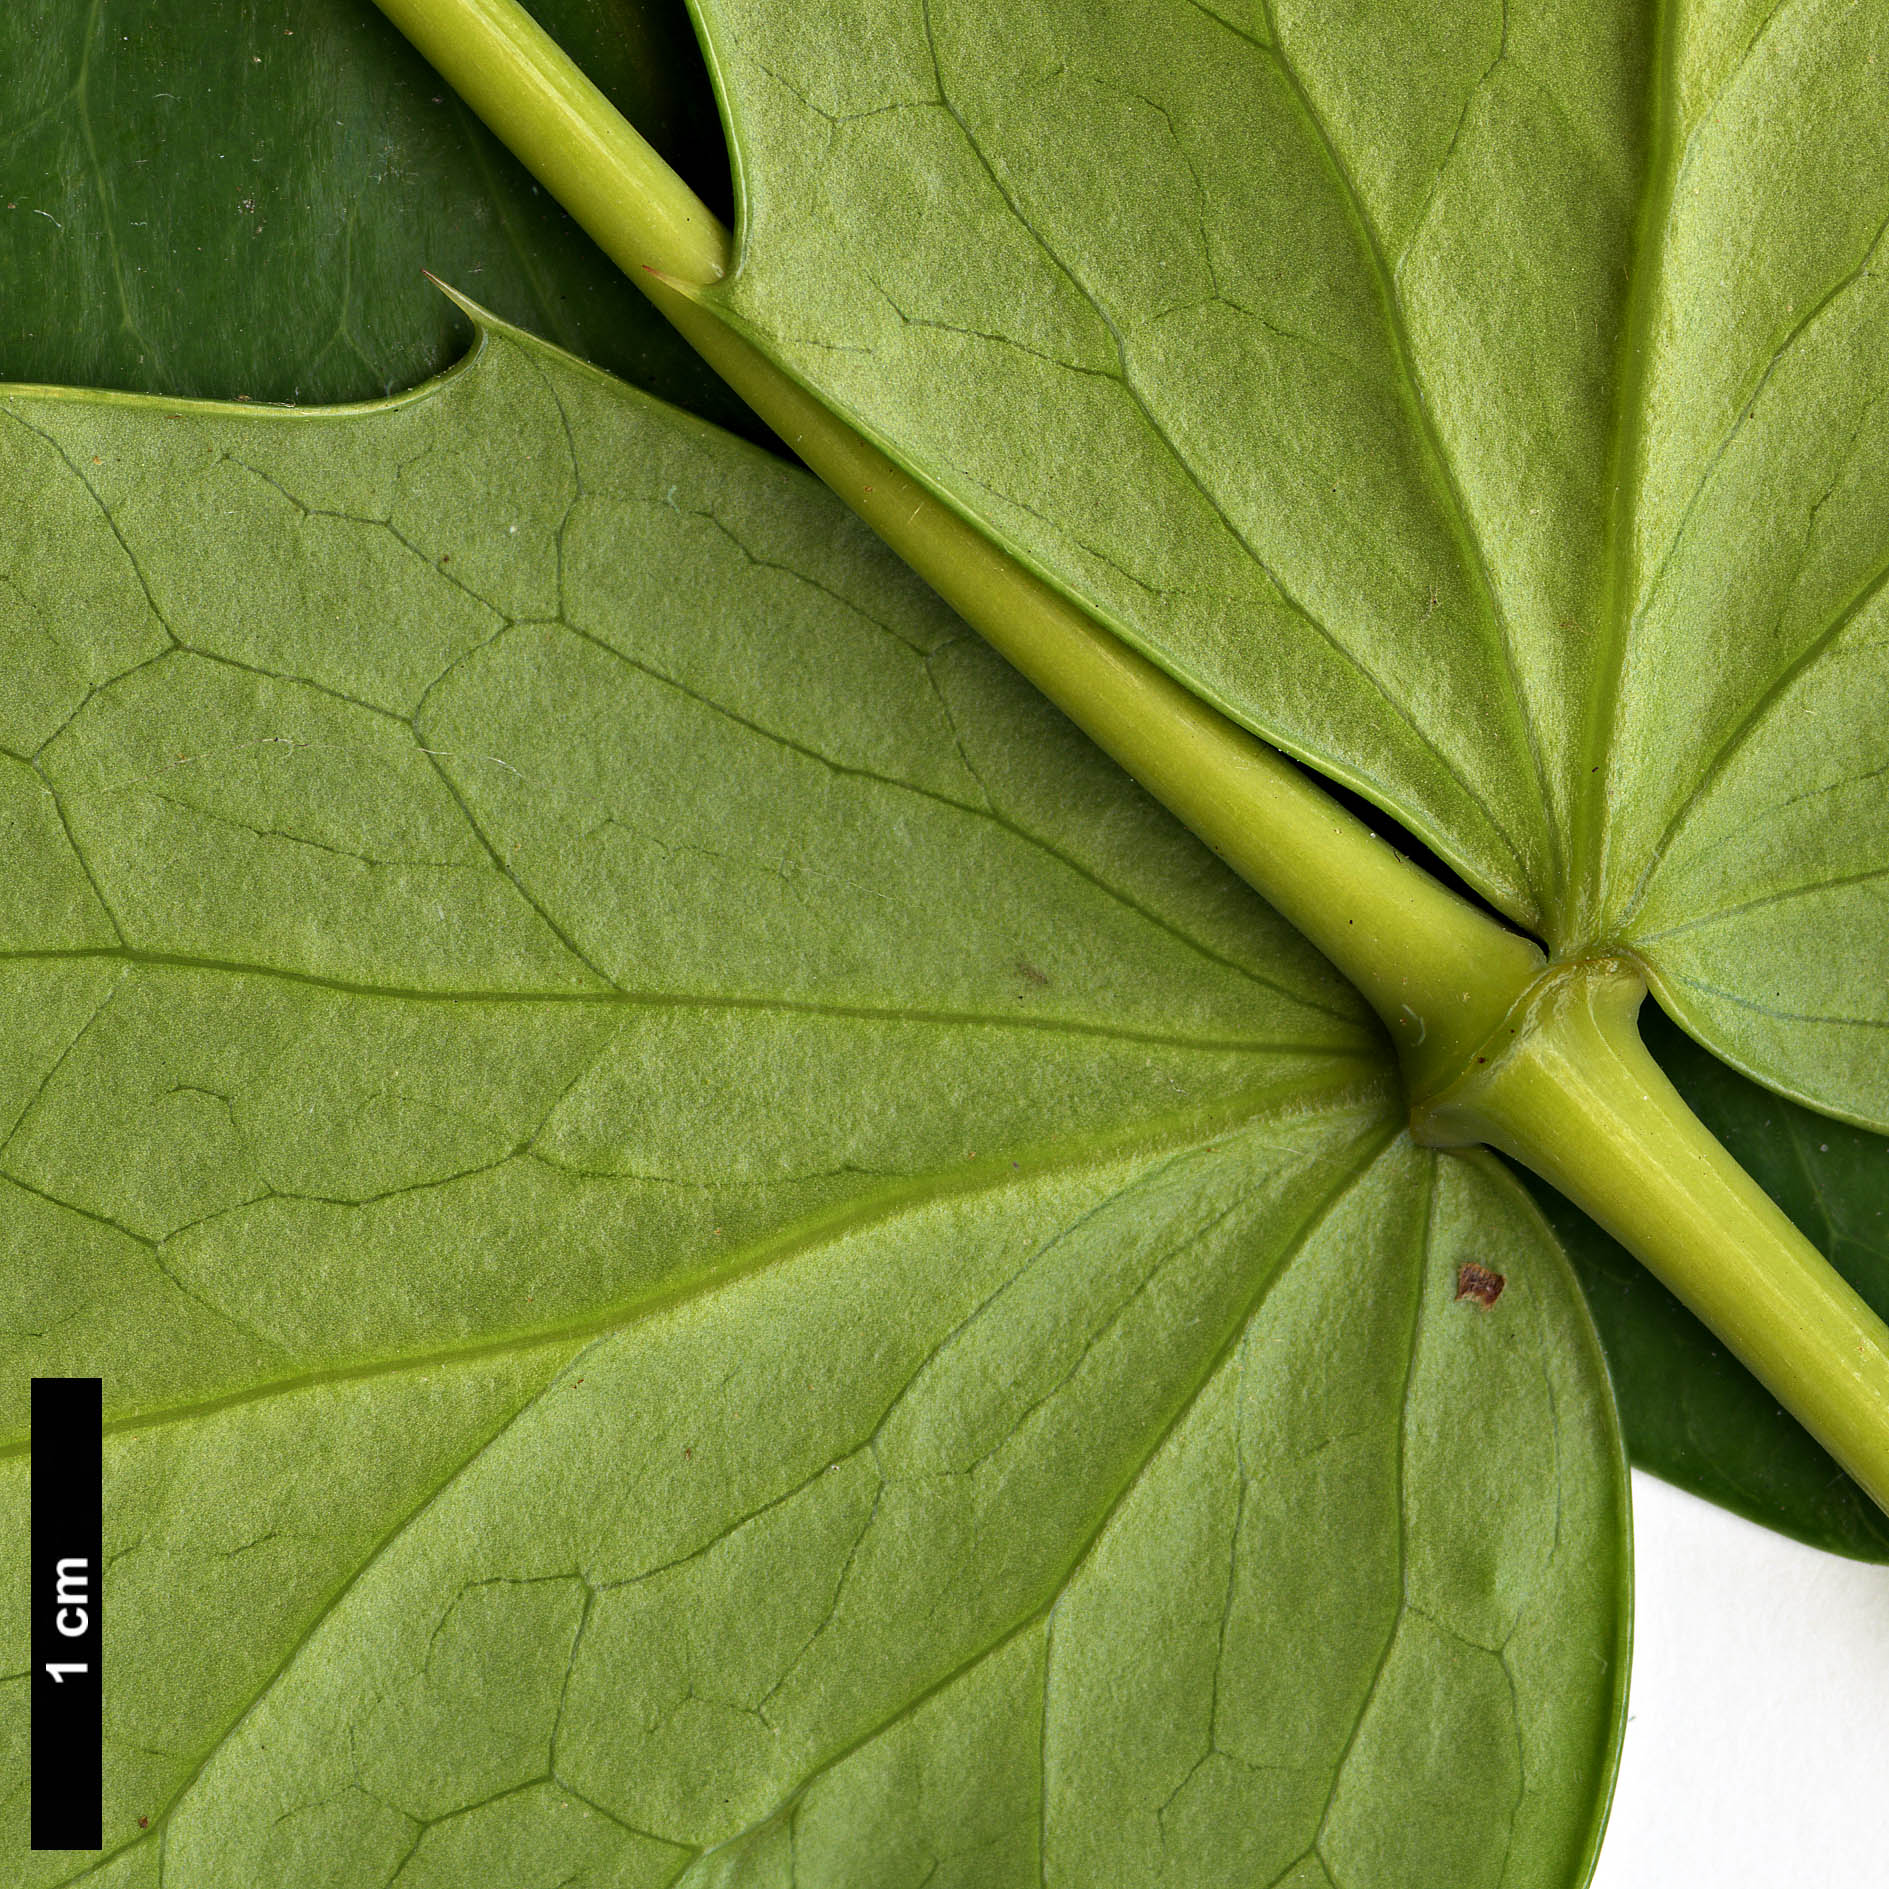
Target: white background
1757, 1750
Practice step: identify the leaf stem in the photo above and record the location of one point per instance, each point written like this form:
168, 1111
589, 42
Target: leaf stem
1567, 1087
567, 134
1543, 1061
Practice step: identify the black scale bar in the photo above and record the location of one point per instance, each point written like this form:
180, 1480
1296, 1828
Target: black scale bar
67, 1589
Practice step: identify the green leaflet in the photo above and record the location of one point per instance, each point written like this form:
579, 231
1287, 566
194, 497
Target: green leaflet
1499, 388
233, 200
491, 1041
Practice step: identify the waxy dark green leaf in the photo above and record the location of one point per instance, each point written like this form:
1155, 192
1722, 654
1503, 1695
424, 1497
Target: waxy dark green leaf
232, 198
525, 908
1483, 399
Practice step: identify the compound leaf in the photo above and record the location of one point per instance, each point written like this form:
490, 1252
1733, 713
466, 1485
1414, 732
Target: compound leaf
236, 305
531, 908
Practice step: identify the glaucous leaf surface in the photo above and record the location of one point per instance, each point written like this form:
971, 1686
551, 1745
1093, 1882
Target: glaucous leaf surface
232, 198
717, 1256
1483, 399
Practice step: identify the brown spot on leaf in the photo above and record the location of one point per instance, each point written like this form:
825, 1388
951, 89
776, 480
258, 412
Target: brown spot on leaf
1029, 973
1478, 1283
